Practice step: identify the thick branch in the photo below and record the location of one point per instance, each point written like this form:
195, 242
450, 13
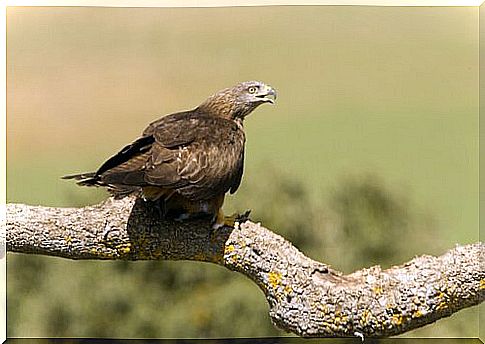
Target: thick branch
305, 297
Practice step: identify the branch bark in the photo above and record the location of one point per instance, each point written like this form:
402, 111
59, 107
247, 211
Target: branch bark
305, 296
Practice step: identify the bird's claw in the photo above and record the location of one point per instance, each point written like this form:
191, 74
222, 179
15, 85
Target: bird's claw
225, 221
231, 221
244, 216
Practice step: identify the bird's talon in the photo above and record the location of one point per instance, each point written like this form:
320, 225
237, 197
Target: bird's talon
231, 220
217, 226
222, 221
243, 217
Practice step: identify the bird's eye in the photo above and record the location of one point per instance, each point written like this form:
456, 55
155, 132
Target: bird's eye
252, 89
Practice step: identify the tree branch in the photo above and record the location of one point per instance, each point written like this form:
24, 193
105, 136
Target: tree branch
305, 297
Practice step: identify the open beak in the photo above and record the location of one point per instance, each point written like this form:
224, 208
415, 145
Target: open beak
268, 94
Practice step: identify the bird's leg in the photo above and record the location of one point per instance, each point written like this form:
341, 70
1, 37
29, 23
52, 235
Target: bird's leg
218, 222
221, 220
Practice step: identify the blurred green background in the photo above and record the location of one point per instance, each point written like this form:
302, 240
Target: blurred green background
369, 157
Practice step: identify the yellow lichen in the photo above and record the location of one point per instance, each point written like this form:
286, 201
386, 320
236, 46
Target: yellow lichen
105, 254
417, 314
123, 248
228, 249
397, 319
442, 305
288, 289
443, 302
322, 308
233, 259
482, 284
340, 320
377, 290
274, 279
366, 316
68, 240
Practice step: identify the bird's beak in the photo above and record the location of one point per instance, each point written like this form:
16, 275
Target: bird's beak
267, 94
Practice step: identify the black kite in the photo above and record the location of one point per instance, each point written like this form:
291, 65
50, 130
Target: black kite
187, 160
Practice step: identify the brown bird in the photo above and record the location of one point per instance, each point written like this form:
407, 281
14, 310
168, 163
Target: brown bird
187, 161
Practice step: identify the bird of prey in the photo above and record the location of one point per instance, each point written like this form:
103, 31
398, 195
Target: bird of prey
187, 161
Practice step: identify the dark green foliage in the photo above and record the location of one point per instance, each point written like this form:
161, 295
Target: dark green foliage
379, 224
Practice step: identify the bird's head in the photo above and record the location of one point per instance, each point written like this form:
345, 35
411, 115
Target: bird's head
240, 100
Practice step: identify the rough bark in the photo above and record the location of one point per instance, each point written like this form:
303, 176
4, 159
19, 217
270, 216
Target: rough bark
305, 296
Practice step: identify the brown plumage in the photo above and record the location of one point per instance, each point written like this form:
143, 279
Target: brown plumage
188, 160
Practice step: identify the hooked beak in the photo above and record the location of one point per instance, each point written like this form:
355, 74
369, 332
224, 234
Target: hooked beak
267, 94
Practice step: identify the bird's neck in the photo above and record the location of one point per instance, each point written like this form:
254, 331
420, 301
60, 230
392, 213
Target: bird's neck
219, 105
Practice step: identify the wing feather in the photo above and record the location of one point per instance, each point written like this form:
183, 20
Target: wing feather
140, 146
197, 155
206, 164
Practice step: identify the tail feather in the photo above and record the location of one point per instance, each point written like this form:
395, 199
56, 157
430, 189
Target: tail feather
84, 179
80, 176
93, 179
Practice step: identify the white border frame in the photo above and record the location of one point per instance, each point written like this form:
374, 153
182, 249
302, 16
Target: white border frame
143, 3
